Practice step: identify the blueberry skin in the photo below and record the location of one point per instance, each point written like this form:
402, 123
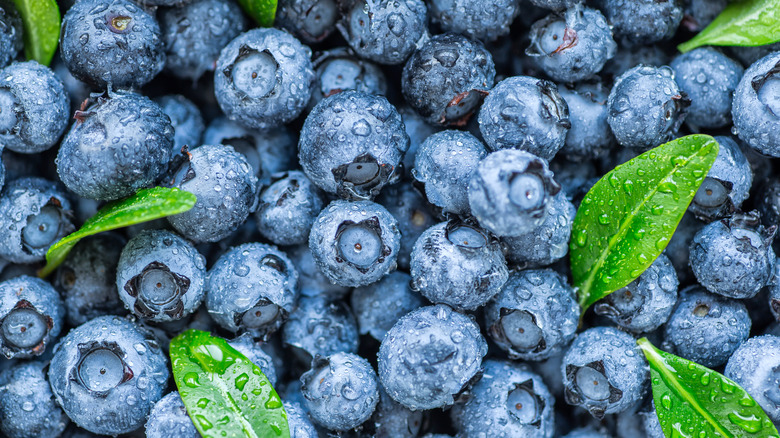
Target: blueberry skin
646, 107
727, 184
87, 278
413, 214
311, 281
311, 21
118, 145
572, 46
446, 79
288, 208
339, 70
384, 32
251, 349
749, 55
710, 78
643, 21
115, 44
119, 400
351, 145
508, 400
754, 367
185, 118
194, 34
355, 243
457, 264
226, 188
473, 18
628, 57
444, 164
430, 356
163, 257
27, 406
340, 391
31, 315
263, 78
548, 315
298, 421
768, 201
546, 244
733, 257
706, 328
525, 113
646, 303
510, 191
586, 432
10, 34
169, 419
392, 420
555, 5
320, 327
379, 305
678, 248
418, 130
590, 135
37, 106
755, 107
252, 288
608, 355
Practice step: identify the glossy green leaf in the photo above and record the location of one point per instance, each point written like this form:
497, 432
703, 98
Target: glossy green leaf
262, 11
41, 22
742, 23
224, 392
694, 401
146, 205
627, 218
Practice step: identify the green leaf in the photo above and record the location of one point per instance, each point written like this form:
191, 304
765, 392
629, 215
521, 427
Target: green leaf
41, 22
146, 205
627, 218
262, 11
742, 23
224, 392
694, 401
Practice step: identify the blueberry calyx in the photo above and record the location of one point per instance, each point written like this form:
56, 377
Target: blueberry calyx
158, 290
22, 320
101, 367
518, 401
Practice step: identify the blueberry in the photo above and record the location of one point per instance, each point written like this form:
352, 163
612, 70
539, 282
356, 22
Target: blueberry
27, 406
320, 327
115, 44
430, 356
309, 20
525, 113
10, 33
706, 328
727, 184
646, 303
458, 264
352, 143
446, 79
585, 432
474, 18
755, 366
251, 349
733, 257
160, 276
340, 391
185, 118
756, 105
355, 243
508, 400
556, 5
604, 371
31, 316
251, 288
652, 426
510, 192
629, 56
710, 78
572, 46
749, 55
340, 70
34, 214
379, 305
195, 32
107, 374
768, 201
590, 135
169, 419
678, 248
384, 32
118, 145
644, 21
646, 107
298, 421
418, 130
393, 420
226, 188
311, 281
700, 13
413, 214
288, 208
263, 78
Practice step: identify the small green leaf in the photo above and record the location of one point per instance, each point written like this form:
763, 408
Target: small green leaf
146, 205
262, 11
41, 22
742, 23
627, 218
224, 392
694, 401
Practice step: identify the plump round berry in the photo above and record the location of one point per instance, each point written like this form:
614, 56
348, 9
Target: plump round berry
413, 214
355, 243
186, 120
288, 208
590, 135
311, 281
430, 356
114, 43
352, 143
247, 346
446, 79
727, 183
555, 5
644, 21
309, 20
31, 316
392, 419
473, 18
418, 130
340, 70
107, 374
118, 145
27, 406
755, 366
298, 421
263, 78
379, 305
226, 188
340, 391
320, 327
11, 41
525, 113
169, 419
756, 108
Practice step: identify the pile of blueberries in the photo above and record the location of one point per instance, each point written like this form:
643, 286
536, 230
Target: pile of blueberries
385, 196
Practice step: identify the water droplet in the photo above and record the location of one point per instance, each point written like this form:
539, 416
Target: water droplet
751, 424
191, 380
241, 381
